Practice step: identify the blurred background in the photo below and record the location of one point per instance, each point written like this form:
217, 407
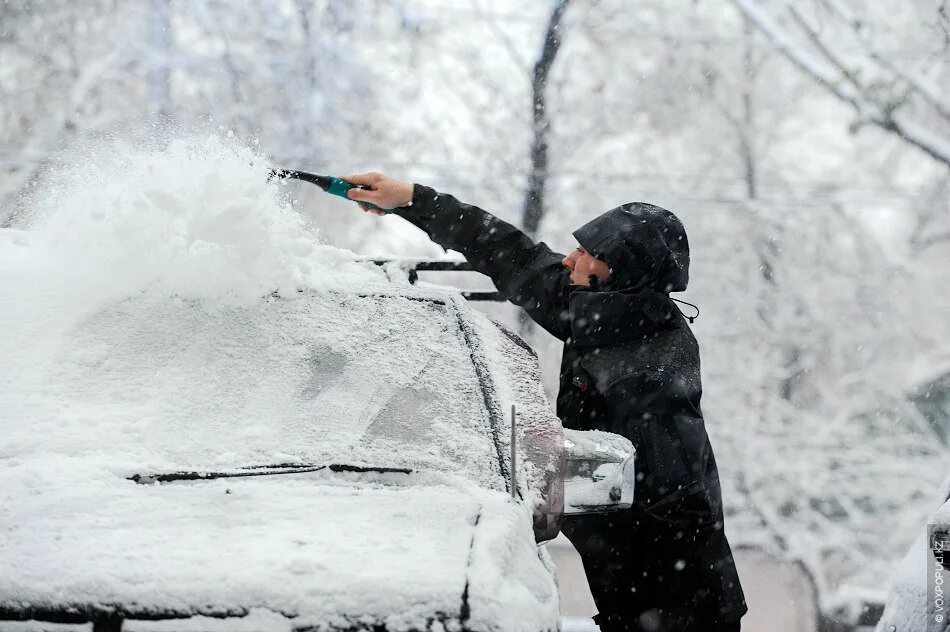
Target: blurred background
805, 145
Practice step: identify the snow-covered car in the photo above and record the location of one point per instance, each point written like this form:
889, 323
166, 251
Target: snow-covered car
322, 461
918, 599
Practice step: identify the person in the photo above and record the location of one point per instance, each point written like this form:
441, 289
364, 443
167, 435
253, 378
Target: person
630, 366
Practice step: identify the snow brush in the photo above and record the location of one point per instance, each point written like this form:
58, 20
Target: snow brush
330, 184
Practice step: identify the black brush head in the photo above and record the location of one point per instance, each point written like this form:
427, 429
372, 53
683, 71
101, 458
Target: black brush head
321, 181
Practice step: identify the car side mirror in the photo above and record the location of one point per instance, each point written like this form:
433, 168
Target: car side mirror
599, 472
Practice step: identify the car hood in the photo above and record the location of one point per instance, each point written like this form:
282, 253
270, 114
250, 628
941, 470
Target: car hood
327, 553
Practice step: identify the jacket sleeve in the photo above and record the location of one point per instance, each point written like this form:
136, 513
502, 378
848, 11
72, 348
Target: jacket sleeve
529, 274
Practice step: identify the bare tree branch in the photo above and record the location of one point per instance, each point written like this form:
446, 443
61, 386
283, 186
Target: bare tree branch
936, 238
847, 87
502, 37
848, 74
159, 76
923, 86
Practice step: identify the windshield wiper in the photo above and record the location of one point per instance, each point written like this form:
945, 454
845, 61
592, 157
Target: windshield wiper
262, 470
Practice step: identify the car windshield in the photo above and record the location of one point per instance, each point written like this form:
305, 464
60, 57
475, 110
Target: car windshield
316, 378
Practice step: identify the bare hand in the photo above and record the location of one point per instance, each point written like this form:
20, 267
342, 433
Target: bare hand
383, 191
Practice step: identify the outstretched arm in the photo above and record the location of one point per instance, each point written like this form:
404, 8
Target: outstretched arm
528, 273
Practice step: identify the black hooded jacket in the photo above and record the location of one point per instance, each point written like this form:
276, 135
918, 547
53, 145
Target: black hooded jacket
630, 366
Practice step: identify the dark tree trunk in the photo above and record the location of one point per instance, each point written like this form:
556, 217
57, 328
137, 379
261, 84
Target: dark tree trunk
533, 207
534, 196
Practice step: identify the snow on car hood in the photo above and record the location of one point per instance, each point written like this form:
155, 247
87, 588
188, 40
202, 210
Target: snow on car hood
321, 550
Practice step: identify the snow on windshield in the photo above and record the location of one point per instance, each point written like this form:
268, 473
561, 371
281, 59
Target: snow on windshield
318, 378
139, 329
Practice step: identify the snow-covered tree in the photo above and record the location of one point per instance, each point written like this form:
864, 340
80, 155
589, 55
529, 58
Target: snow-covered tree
848, 48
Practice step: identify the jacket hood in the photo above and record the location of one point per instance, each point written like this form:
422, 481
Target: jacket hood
644, 245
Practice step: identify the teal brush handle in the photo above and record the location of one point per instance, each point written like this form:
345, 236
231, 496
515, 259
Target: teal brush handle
339, 187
